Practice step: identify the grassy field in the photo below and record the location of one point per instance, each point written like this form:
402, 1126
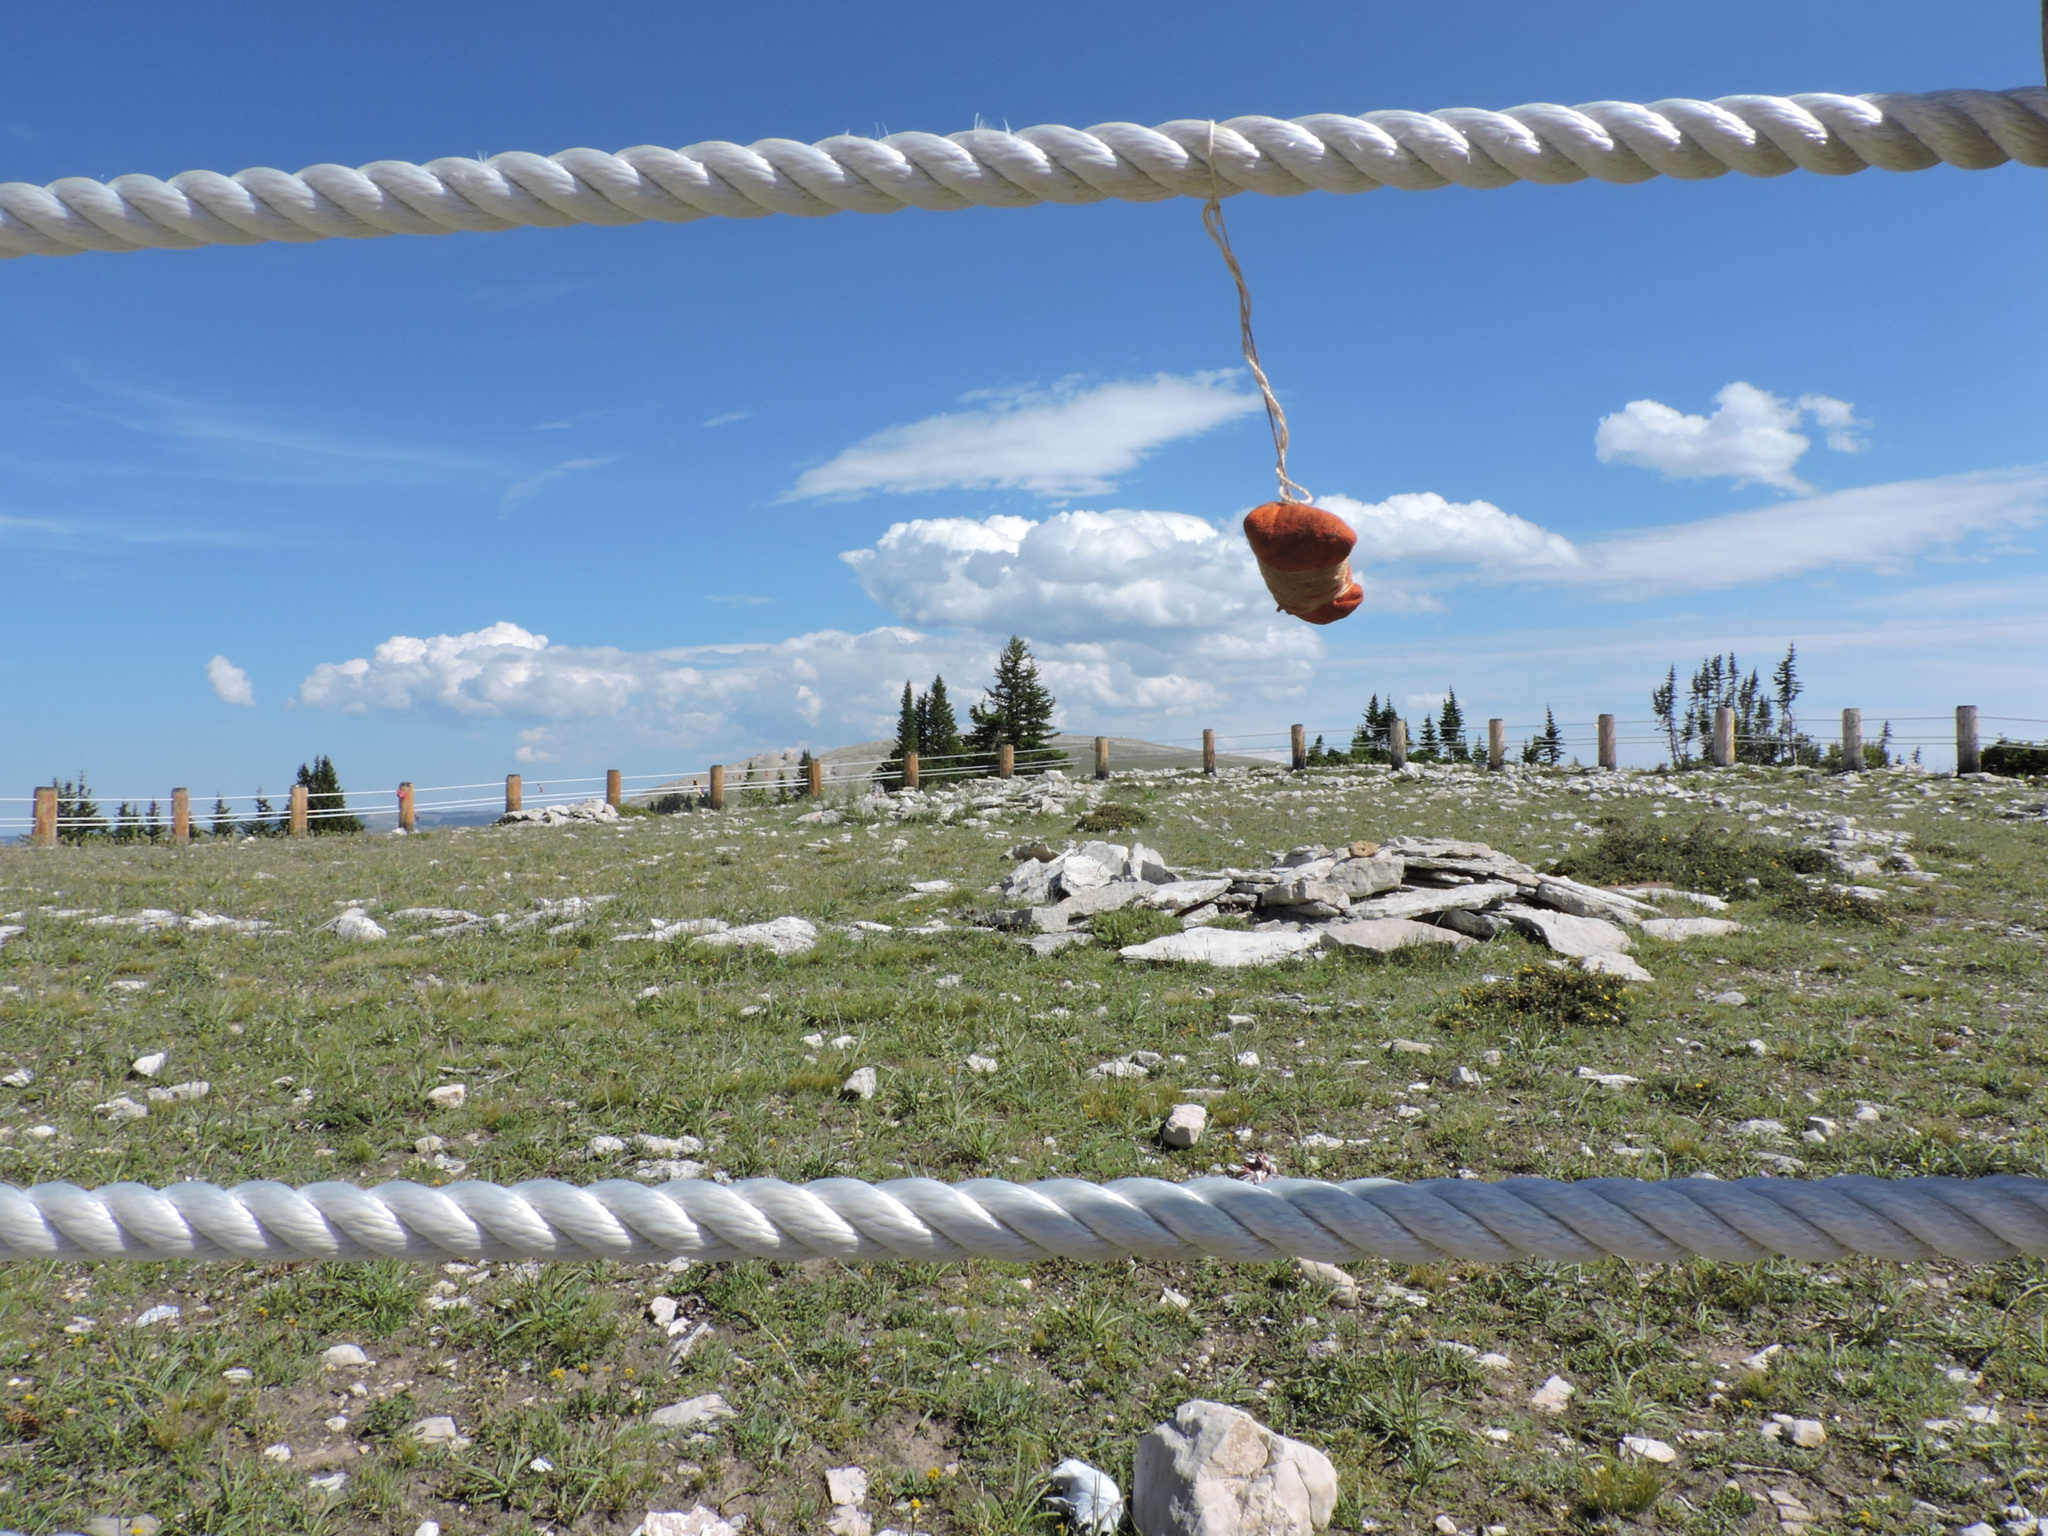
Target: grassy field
958, 1388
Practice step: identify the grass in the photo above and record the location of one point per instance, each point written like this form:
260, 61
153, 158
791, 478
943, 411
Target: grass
959, 1387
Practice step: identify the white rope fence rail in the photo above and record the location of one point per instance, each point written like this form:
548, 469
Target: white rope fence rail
1741, 1221
1613, 141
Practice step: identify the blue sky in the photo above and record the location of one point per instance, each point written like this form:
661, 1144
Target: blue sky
658, 446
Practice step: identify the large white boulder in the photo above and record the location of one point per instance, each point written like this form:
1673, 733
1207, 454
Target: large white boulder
1387, 934
1214, 1470
779, 936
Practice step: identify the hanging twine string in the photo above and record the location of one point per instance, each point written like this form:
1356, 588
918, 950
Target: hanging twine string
1212, 220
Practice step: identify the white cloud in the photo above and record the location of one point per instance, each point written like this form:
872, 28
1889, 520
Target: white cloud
230, 682
1881, 528
1752, 436
1065, 441
728, 418
1423, 526
533, 746
527, 489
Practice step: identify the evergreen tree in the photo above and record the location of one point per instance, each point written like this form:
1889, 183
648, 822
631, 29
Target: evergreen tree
1429, 748
266, 822
1373, 739
1664, 704
907, 741
1785, 680
127, 824
939, 733
223, 818
1450, 729
323, 794
78, 815
152, 824
1017, 709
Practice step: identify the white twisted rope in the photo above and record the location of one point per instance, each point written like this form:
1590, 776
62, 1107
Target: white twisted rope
1978, 1220
1615, 141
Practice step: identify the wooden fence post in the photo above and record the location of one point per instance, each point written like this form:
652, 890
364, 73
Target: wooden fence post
407, 822
1397, 743
910, 771
1496, 744
1969, 757
1209, 753
1724, 737
1297, 746
297, 825
611, 788
181, 817
515, 793
45, 833
814, 779
716, 798
1609, 756
1102, 757
1852, 741
1006, 761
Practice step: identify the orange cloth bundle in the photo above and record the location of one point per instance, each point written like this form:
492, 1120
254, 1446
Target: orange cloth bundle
1304, 554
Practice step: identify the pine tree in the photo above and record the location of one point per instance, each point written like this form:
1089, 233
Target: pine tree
1785, 679
223, 818
1664, 705
1550, 745
939, 734
1450, 729
1373, 739
266, 822
152, 824
1017, 709
323, 794
1430, 747
907, 741
127, 824
78, 815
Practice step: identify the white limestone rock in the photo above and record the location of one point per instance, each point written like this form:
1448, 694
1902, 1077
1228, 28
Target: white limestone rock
692, 1413
1214, 1470
1088, 1497
1384, 935
779, 936
860, 1084
1183, 895
1222, 947
1566, 933
1184, 1125
1674, 930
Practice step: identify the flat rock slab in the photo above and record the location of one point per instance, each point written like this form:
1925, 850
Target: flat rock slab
780, 936
1675, 929
1463, 898
1590, 901
1183, 895
1616, 964
1060, 916
1387, 934
1223, 946
1566, 934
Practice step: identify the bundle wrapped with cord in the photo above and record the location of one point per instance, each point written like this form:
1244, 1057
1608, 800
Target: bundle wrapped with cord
1304, 556
1304, 553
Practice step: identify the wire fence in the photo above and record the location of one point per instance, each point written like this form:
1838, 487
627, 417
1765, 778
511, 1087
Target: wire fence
144, 817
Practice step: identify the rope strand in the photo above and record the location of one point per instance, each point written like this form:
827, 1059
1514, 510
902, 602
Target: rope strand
1276, 418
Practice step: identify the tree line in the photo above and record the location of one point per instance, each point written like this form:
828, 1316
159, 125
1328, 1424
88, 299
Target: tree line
1015, 711
80, 819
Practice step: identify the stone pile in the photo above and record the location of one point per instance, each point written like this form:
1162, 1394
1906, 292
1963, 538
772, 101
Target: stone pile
593, 812
1365, 896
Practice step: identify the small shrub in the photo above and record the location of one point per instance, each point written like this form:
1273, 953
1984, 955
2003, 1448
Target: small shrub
1556, 996
1113, 818
1621, 1487
1832, 903
1132, 925
1703, 858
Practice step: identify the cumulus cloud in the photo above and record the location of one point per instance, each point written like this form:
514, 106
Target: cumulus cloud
1752, 437
1424, 527
230, 682
1065, 441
